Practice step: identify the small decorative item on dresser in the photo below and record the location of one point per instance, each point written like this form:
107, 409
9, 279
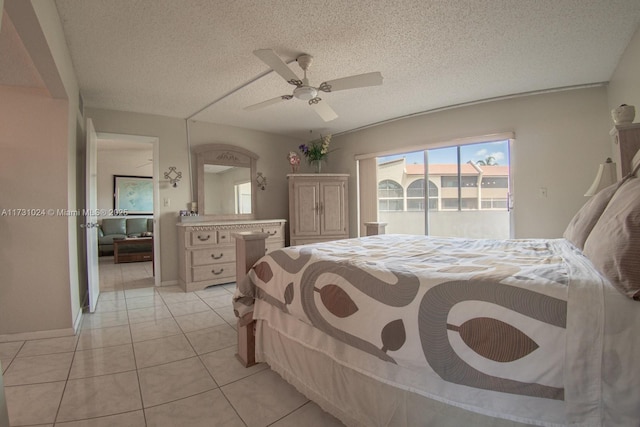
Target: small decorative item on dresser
623, 115
294, 161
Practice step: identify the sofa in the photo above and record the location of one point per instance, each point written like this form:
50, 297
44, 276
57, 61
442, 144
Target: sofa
120, 228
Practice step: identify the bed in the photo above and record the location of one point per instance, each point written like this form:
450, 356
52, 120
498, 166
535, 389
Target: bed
398, 330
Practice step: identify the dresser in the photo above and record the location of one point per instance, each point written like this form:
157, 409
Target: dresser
207, 251
318, 208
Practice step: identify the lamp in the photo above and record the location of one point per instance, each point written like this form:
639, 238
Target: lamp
175, 178
605, 177
261, 180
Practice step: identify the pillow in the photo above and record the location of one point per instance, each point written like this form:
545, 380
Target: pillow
635, 162
614, 243
583, 222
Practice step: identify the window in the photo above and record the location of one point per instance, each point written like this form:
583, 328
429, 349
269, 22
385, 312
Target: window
449, 181
495, 182
415, 195
469, 181
433, 196
390, 196
494, 204
468, 191
243, 197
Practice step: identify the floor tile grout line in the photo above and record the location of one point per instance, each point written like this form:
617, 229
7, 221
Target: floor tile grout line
66, 382
93, 418
286, 415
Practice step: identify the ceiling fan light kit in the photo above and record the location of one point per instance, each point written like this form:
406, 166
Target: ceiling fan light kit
304, 91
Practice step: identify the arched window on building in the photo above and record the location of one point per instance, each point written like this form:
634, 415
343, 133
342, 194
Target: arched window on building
416, 199
433, 197
390, 196
415, 195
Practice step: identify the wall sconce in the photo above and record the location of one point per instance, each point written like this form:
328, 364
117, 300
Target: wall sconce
261, 181
175, 178
605, 177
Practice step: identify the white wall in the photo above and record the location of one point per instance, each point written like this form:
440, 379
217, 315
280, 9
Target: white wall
42, 282
561, 138
34, 256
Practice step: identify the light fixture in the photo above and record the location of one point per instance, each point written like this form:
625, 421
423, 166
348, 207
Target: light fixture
261, 180
605, 177
175, 178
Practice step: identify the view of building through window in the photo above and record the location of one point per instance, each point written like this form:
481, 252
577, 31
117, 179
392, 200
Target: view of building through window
468, 191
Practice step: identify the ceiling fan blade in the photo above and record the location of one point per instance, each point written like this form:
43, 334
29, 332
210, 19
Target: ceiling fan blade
268, 102
325, 112
270, 58
353, 82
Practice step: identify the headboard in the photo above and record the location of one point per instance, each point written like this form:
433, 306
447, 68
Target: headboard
626, 144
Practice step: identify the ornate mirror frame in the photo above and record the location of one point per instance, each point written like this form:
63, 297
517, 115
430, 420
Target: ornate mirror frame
226, 155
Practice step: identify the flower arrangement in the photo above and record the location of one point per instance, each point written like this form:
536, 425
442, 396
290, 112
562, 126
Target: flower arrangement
294, 161
316, 150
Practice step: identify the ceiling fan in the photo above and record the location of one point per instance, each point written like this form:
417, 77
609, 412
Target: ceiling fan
306, 92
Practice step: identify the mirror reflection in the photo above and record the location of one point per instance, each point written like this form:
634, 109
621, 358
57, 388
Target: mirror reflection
227, 190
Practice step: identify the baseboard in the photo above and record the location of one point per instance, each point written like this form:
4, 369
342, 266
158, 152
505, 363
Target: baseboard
77, 321
38, 335
169, 283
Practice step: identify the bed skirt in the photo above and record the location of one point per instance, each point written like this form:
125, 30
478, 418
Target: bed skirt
356, 399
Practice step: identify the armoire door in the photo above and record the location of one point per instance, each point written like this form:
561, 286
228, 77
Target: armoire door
333, 220
306, 207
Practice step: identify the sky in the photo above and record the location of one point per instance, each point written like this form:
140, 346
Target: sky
474, 152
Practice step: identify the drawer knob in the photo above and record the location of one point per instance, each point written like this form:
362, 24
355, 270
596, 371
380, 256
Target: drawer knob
217, 272
204, 238
223, 237
217, 257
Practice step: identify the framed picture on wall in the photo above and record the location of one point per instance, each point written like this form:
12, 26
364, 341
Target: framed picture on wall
133, 195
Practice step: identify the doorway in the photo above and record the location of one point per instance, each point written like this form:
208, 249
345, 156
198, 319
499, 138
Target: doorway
128, 155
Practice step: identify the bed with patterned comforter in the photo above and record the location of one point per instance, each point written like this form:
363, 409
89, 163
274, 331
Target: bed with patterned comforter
513, 329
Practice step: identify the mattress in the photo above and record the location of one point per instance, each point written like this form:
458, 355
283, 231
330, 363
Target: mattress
513, 330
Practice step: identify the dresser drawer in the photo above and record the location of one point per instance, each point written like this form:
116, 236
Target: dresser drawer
215, 255
214, 271
202, 238
275, 232
224, 237
271, 248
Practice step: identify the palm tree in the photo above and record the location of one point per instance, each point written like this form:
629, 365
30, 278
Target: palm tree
489, 161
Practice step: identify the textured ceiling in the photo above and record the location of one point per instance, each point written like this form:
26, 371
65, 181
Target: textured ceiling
174, 58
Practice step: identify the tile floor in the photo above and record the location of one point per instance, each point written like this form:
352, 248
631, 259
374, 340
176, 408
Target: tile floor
148, 357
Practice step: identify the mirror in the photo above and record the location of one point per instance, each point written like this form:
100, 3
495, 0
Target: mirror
226, 184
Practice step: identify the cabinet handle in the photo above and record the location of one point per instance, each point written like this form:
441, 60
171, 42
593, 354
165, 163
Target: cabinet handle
223, 237
217, 257
217, 272
321, 207
204, 238
270, 233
